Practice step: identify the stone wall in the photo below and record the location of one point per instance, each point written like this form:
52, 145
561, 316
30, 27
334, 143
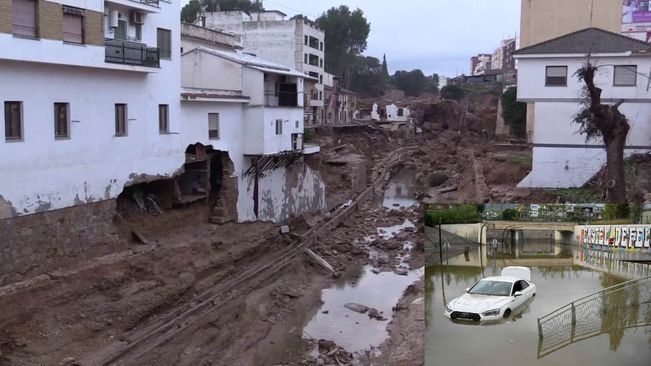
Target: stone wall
36, 244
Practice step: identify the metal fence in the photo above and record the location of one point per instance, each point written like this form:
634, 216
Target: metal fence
611, 311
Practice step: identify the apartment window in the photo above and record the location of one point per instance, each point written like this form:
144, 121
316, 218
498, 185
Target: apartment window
321, 62
163, 118
321, 46
279, 127
164, 42
213, 126
556, 76
73, 25
23, 20
625, 75
305, 58
296, 123
121, 30
320, 95
120, 119
139, 34
320, 79
306, 40
61, 120
13, 121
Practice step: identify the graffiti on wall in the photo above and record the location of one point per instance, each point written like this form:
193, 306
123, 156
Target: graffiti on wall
619, 236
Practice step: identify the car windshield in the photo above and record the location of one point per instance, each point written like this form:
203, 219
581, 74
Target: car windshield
495, 288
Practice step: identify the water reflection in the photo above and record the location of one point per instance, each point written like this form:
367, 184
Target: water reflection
353, 331
401, 190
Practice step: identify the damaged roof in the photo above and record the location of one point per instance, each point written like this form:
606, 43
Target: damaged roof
589, 40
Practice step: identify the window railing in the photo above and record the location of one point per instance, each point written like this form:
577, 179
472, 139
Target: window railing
148, 2
131, 53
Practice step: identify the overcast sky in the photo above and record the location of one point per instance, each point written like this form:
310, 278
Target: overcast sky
432, 35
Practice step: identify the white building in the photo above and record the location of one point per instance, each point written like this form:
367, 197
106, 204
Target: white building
295, 43
90, 97
546, 80
252, 111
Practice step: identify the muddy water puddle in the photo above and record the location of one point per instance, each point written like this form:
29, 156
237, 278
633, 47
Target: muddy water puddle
351, 330
401, 191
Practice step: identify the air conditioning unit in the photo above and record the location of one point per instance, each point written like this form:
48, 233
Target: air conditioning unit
137, 17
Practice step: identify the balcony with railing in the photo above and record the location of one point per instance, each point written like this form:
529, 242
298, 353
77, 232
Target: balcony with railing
131, 53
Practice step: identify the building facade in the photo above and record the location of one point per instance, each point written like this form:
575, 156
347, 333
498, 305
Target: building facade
546, 19
80, 119
246, 114
340, 103
546, 80
295, 43
480, 64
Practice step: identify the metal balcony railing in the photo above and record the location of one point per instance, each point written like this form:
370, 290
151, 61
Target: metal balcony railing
131, 53
611, 310
281, 99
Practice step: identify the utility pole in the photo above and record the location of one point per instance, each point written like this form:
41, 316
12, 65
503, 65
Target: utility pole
440, 241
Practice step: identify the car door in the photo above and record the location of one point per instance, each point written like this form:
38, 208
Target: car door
517, 301
527, 290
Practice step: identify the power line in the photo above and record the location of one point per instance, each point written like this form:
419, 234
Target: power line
290, 8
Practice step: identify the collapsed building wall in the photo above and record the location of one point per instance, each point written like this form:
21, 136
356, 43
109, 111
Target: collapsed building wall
283, 192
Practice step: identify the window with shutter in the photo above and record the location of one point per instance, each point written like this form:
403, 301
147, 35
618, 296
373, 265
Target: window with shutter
213, 126
120, 120
625, 75
73, 26
556, 76
163, 118
164, 41
61, 120
13, 121
23, 17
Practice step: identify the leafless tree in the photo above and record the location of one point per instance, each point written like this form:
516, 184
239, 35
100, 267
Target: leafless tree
605, 121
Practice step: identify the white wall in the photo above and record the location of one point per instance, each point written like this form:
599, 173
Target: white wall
531, 78
42, 173
574, 161
205, 71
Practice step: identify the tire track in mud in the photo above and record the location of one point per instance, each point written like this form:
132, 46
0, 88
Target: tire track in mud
138, 342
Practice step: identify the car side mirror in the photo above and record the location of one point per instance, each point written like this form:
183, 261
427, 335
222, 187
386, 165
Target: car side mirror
517, 293
467, 289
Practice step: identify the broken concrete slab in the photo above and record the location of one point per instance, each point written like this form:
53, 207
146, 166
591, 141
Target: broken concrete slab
358, 308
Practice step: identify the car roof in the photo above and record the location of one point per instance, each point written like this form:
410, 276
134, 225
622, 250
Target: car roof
503, 279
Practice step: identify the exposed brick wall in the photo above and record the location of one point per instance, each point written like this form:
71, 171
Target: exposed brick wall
5, 16
94, 28
36, 244
50, 20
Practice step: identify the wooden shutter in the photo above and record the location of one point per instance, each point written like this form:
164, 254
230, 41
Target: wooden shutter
24, 17
164, 41
73, 28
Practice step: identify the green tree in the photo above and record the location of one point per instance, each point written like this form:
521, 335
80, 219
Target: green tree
411, 82
616, 211
346, 33
366, 76
190, 12
433, 83
385, 67
510, 214
452, 92
514, 112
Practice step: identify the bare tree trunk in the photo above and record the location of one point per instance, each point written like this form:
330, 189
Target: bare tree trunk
614, 127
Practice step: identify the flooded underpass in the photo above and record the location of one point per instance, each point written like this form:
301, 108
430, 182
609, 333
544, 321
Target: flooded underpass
580, 323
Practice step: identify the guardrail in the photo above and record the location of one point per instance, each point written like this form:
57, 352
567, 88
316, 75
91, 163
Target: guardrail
611, 310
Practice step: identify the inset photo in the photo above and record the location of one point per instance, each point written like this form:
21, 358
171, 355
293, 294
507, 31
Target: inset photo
537, 284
